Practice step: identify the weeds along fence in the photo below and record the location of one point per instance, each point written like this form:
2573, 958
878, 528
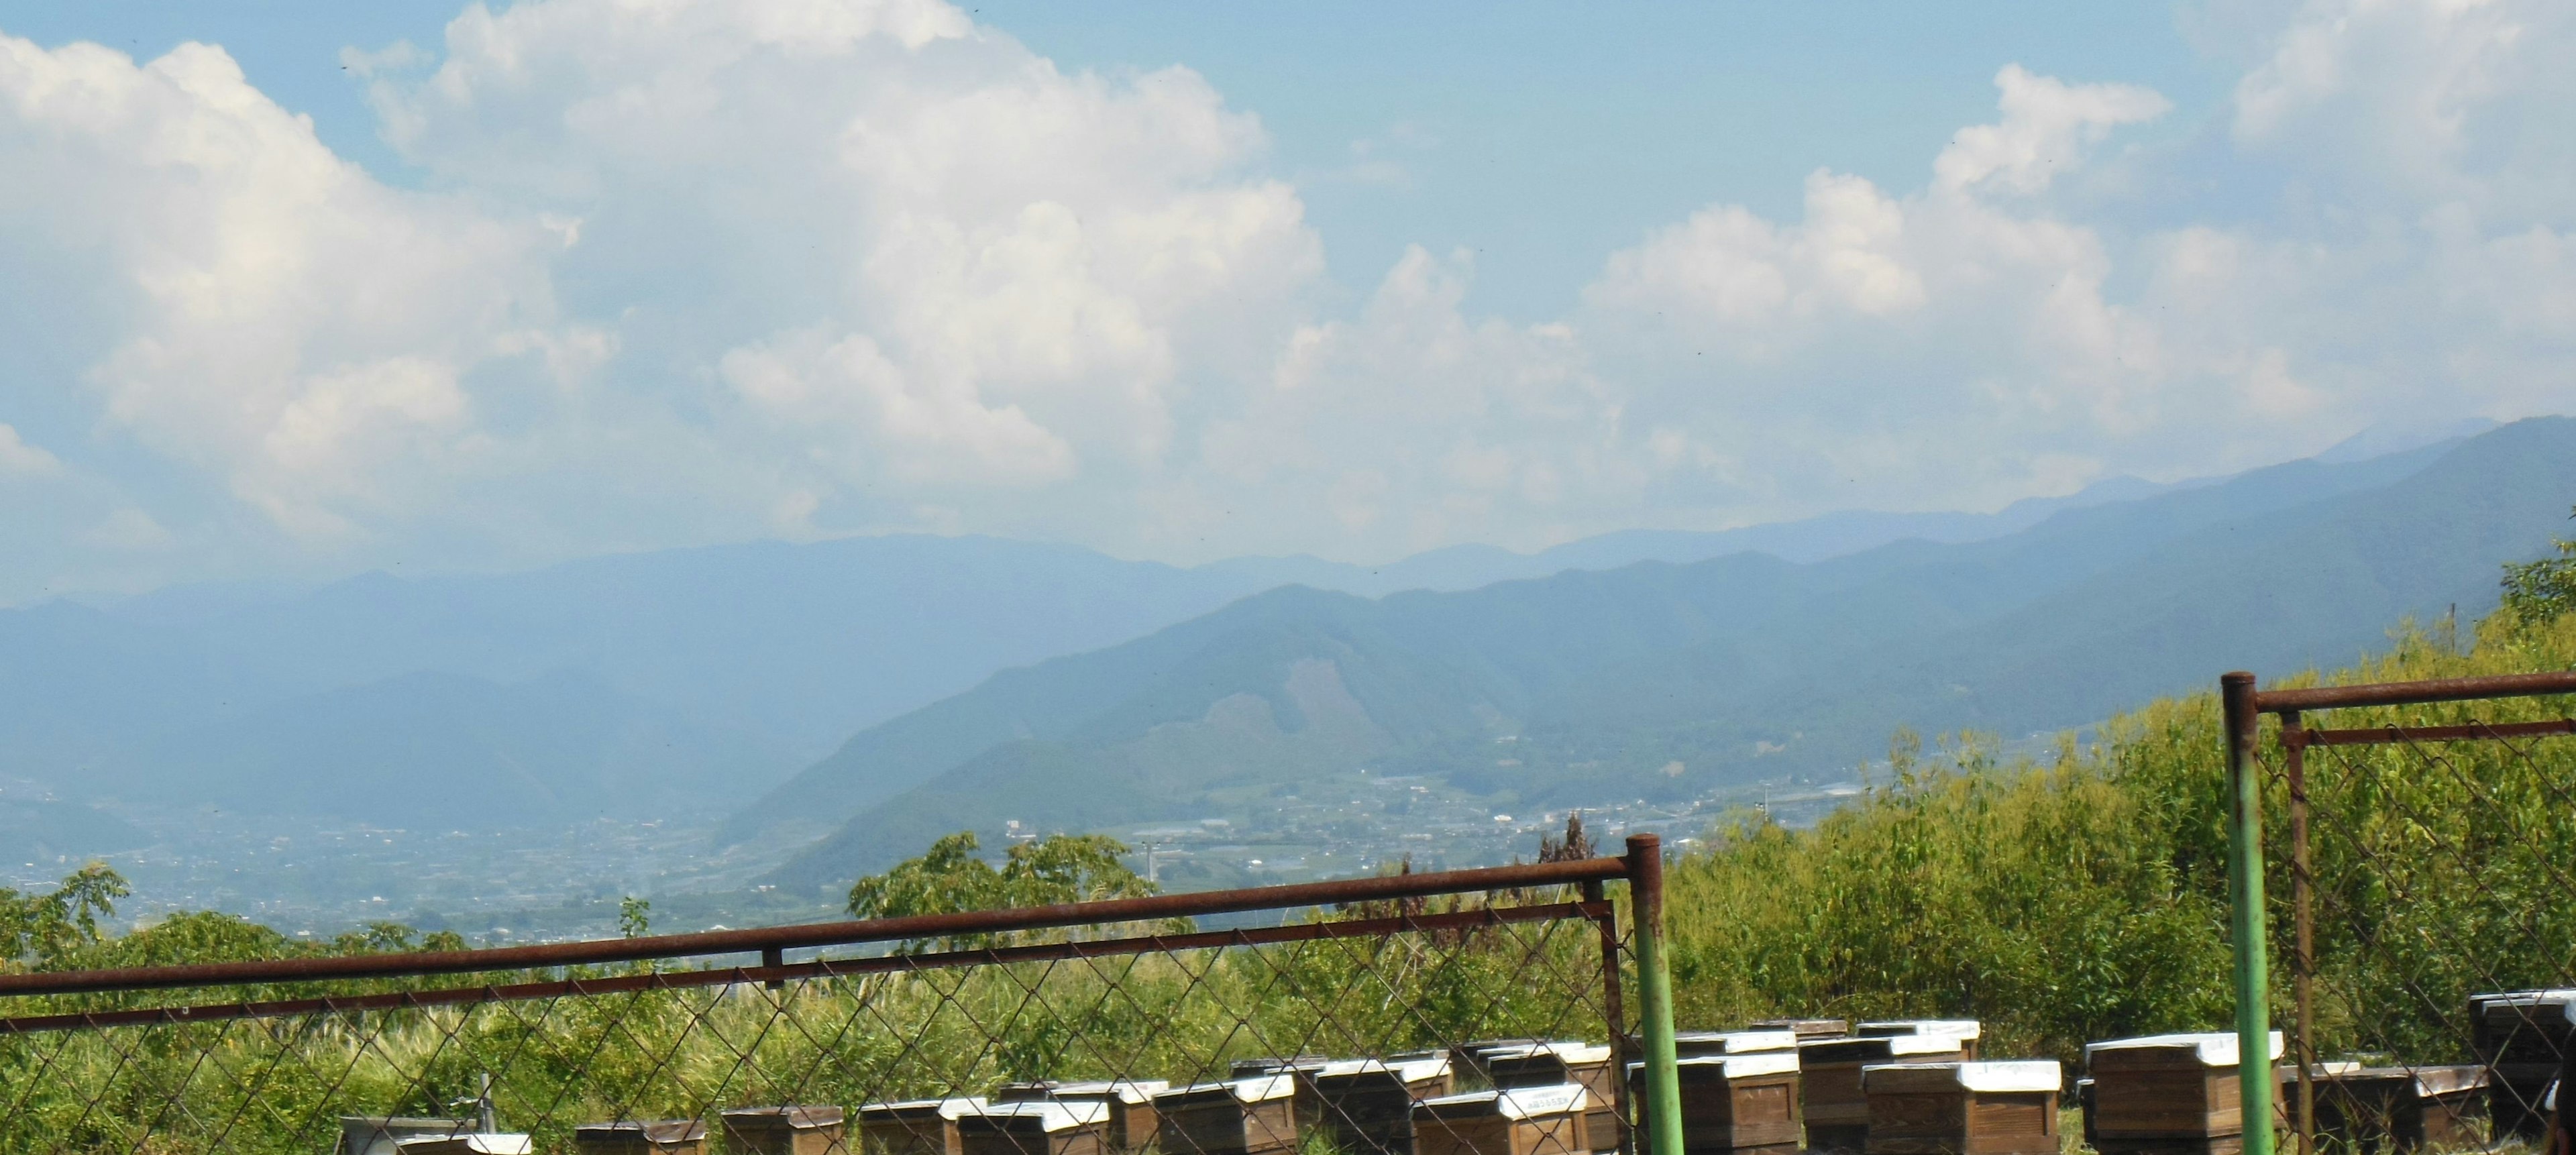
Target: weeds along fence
2406, 854
678, 1030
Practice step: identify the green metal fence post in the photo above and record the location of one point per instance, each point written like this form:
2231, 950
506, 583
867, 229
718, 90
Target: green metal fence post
2245, 899
1663, 1105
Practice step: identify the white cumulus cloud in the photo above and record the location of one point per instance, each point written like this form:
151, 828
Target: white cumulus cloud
693, 270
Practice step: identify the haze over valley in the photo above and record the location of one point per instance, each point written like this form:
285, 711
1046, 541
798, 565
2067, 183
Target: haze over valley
515, 752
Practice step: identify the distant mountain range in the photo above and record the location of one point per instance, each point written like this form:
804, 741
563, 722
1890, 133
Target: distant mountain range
686, 682
1657, 679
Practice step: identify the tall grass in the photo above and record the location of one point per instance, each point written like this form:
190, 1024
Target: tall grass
2083, 896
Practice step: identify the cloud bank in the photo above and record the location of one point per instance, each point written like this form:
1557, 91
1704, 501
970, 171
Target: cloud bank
695, 271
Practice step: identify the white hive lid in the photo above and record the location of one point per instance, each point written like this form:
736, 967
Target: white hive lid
948, 1108
1416, 1068
1130, 1091
2211, 1048
1523, 1102
2007, 1075
1922, 1044
1956, 1028
1746, 1065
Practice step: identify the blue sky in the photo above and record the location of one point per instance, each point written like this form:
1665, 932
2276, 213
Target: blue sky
1188, 280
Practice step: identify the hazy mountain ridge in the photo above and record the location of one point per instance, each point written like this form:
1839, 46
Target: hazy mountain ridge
1743, 664
752, 658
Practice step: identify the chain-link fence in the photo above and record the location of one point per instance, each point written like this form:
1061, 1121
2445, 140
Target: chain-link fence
2418, 843
1066, 1030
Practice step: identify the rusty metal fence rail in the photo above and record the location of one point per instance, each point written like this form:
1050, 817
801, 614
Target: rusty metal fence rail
664, 1043
2406, 856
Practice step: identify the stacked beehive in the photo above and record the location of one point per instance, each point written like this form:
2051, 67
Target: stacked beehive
1829, 1082
2168, 1094
1585, 1065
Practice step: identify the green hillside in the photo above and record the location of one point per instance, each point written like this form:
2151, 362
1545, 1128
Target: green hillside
1665, 680
2085, 898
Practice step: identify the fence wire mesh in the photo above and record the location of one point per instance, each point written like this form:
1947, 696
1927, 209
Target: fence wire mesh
556, 1055
2421, 864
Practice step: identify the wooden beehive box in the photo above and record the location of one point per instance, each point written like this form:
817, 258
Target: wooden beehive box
786, 1131
1252, 1116
1744, 1103
1586, 1065
662, 1137
1965, 1108
1034, 1127
1829, 1091
1365, 1106
1807, 1029
2520, 1036
2168, 1094
1694, 1044
1520, 1121
1966, 1030
1132, 1121
916, 1127
2408, 1109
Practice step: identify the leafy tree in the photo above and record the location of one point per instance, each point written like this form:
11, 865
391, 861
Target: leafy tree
44, 930
2537, 591
950, 879
634, 916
